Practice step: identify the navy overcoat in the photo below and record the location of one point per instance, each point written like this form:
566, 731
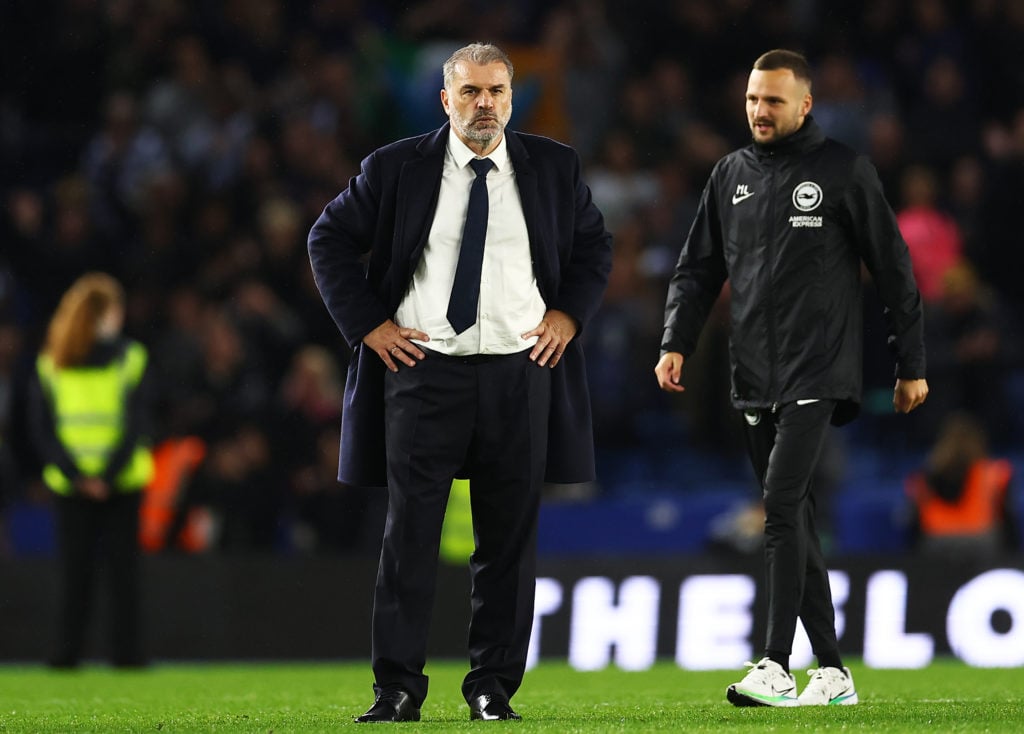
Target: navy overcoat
387, 211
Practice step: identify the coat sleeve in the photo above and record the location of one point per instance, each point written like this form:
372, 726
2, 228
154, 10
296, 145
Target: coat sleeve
885, 253
337, 244
697, 279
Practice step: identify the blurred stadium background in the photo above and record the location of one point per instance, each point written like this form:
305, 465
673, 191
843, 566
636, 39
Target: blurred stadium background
187, 146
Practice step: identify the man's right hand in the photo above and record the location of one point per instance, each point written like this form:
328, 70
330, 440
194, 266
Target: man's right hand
391, 343
909, 394
669, 371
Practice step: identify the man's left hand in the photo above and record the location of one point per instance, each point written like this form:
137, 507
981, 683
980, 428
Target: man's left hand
554, 333
909, 394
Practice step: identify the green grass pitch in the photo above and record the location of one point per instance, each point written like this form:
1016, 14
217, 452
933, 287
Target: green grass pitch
323, 697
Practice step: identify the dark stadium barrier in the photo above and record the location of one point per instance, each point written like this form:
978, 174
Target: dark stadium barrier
700, 611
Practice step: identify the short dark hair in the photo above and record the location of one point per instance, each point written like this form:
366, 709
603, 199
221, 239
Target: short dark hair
478, 53
781, 58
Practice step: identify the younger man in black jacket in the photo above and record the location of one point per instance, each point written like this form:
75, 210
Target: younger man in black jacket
788, 219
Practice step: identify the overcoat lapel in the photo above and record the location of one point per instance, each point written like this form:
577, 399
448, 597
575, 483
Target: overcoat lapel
526, 181
419, 185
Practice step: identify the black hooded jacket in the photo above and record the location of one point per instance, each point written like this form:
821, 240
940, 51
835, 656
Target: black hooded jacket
788, 224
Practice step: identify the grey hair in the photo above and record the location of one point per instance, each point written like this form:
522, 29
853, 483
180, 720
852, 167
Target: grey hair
477, 53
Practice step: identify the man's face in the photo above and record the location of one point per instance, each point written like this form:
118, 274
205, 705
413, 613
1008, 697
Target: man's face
479, 103
777, 103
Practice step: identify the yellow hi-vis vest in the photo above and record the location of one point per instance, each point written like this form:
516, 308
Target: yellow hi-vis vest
89, 406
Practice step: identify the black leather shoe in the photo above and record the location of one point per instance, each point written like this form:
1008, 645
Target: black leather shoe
391, 705
491, 708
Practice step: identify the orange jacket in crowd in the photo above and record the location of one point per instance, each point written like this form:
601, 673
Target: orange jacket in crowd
980, 510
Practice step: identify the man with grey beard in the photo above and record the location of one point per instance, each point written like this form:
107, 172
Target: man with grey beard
486, 257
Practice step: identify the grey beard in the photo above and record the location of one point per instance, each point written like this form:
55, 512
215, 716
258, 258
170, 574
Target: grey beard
481, 137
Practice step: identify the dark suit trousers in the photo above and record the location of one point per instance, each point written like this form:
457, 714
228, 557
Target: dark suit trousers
484, 418
784, 449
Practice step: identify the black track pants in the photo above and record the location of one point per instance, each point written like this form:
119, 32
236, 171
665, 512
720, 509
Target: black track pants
784, 449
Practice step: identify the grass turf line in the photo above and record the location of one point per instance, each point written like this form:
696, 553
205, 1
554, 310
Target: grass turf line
323, 697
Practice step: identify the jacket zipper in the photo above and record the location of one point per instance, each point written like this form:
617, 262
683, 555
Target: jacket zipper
773, 357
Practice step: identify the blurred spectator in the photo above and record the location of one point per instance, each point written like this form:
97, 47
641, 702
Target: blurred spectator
932, 235
669, 218
332, 517
241, 484
119, 163
255, 33
203, 112
22, 232
643, 118
308, 402
334, 99
162, 254
55, 241
969, 357
269, 328
1000, 255
930, 32
945, 97
283, 242
962, 507
620, 184
995, 30
673, 95
966, 197
591, 56
177, 356
228, 385
178, 105
887, 146
623, 332
840, 101
699, 149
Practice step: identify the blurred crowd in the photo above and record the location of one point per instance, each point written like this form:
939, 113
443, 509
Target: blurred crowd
187, 146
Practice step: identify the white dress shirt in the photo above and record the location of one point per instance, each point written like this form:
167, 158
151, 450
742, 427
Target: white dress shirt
510, 302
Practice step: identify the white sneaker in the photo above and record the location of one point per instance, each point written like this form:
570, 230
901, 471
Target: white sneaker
829, 687
765, 684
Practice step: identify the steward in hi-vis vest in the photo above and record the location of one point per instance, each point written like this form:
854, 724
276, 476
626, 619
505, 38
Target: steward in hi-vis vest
89, 412
89, 404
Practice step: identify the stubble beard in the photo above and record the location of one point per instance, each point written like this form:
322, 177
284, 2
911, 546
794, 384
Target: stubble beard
770, 136
774, 134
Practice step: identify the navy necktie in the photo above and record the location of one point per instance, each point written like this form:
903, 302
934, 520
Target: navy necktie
466, 288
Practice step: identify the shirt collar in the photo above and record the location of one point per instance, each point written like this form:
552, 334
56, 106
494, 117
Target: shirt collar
462, 154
